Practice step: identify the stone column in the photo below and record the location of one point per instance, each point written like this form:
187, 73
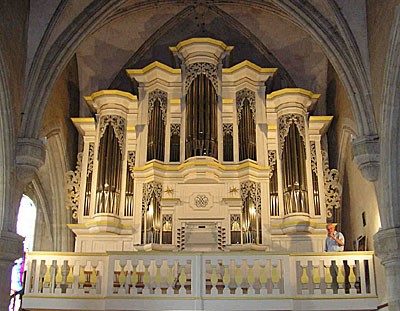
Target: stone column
10, 249
387, 248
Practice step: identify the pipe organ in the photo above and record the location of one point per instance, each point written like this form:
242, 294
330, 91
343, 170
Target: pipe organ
202, 159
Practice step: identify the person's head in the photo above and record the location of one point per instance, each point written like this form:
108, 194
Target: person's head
330, 228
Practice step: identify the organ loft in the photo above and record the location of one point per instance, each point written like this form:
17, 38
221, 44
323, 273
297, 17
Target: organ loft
202, 159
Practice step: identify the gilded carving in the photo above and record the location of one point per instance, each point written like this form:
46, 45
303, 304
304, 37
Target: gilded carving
333, 188
240, 97
272, 159
161, 96
131, 161
253, 190
209, 70
313, 157
118, 123
150, 189
90, 159
284, 124
72, 183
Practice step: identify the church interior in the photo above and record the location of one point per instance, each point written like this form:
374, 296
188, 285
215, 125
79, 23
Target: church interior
188, 155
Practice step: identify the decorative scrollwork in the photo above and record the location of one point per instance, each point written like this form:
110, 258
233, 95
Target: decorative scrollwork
209, 70
175, 129
253, 190
150, 189
201, 201
73, 182
240, 97
90, 159
284, 124
272, 159
333, 188
162, 97
131, 161
118, 123
313, 157
227, 129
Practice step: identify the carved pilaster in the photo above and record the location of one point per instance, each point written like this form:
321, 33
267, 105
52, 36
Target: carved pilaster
366, 156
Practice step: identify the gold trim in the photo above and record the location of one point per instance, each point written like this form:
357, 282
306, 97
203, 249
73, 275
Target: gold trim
321, 118
175, 101
83, 120
94, 95
289, 224
130, 129
151, 66
209, 163
247, 63
286, 91
272, 127
227, 101
201, 40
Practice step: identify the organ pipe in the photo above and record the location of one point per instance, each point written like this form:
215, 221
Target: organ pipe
109, 173
247, 133
294, 173
201, 118
156, 133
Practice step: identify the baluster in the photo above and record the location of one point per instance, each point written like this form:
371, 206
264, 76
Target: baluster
32, 286
239, 277
188, 273
182, 281
232, 273
245, 274
45, 288
263, 279
276, 277
146, 278
341, 278
129, 274
171, 279
164, 269
254, 278
269, 285
122, 278
59, 280
214, 280
352, 277
99, 276
304, 278
316, 279
207, 274
158, 277
363, 280
225, 279
152, 276
328, 278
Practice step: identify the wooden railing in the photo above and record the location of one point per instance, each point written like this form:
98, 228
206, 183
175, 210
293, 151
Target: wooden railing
198, 280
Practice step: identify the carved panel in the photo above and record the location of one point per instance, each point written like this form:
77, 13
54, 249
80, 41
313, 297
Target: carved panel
162, 96
209, 70
272, 159
175, 129
333, 188
227, 129
72, 183
90, 159
240, 97
201, 201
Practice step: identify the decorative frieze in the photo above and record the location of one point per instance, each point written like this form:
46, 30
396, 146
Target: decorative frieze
333, 188
131, 161
253, 190
150, 189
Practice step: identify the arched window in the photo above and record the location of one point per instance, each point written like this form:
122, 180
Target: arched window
201, 118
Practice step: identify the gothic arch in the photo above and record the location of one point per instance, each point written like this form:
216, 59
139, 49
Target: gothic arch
341, 52
390, 120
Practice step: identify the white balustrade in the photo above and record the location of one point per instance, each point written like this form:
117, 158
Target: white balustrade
199, 276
